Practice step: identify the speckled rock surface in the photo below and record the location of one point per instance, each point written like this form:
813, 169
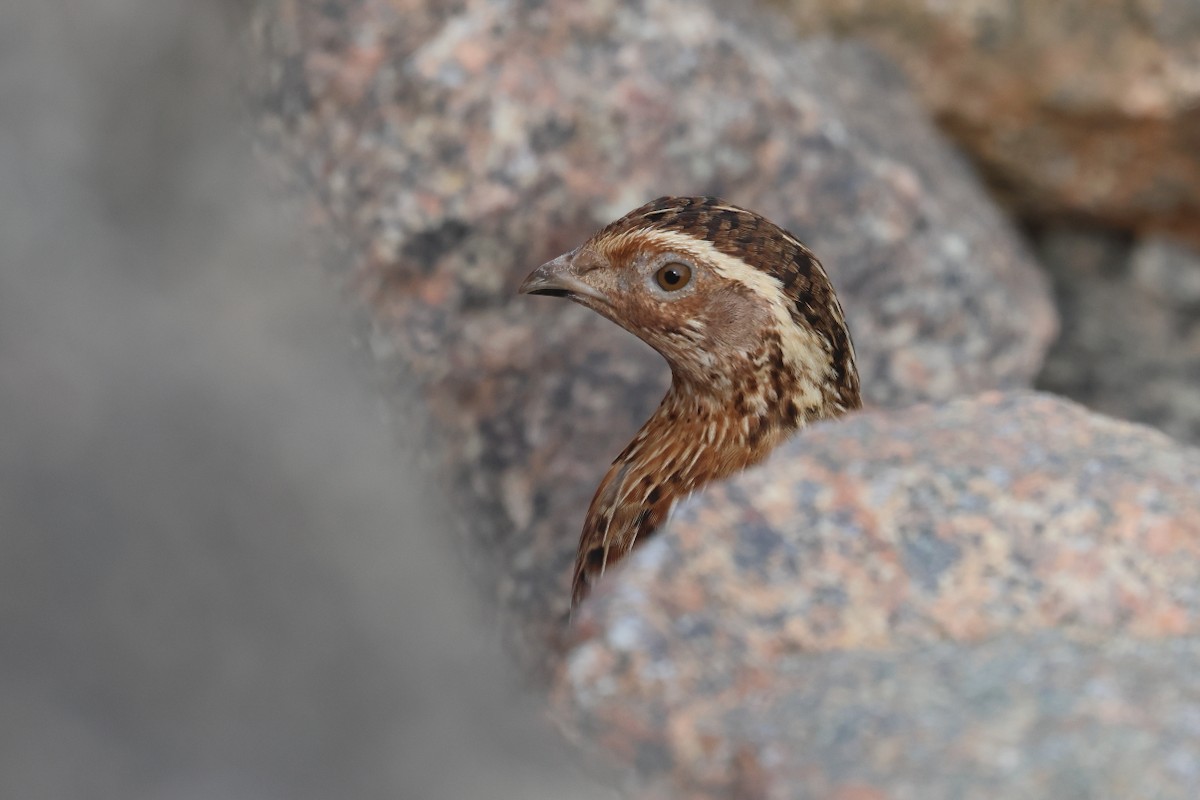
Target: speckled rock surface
1019, 717
451, 147
1130, 343
1078, 108
997, 597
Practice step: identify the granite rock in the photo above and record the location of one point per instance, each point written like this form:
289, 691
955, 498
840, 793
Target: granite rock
1076, 108
994, 597
450, 148
1168, 271
1130, 343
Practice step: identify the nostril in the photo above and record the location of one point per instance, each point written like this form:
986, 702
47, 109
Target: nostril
585, 261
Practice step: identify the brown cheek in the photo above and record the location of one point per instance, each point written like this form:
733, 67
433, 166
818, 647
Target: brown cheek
641, 317
732, 320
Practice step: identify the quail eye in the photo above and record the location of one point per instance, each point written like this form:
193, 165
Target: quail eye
673, 276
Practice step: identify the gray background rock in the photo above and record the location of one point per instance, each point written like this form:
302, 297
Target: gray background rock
1130, 343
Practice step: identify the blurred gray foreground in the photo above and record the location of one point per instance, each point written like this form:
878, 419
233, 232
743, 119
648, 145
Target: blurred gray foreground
215, 578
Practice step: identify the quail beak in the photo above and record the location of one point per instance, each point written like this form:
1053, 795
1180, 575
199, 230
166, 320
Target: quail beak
562, 277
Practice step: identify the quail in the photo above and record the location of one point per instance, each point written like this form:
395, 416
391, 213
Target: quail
755, 337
